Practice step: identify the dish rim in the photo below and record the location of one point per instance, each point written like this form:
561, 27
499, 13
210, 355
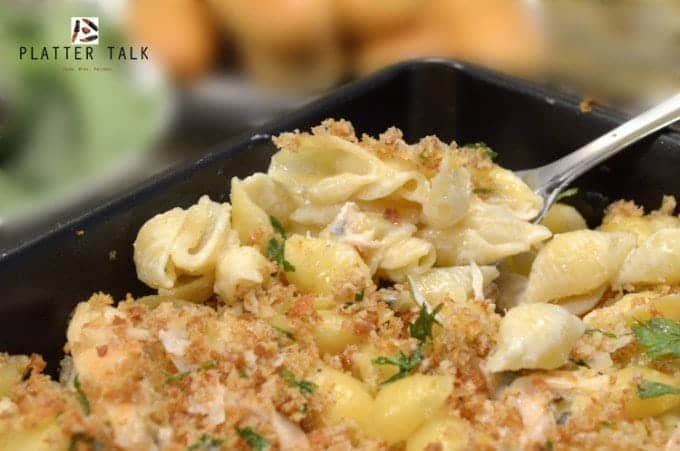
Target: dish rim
354, 89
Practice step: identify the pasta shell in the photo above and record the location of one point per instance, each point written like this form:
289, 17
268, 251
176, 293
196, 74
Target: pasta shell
535, 336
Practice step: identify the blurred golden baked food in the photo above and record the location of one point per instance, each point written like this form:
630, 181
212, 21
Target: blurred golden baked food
306, 70
368, 18
496, 33
310, 45
290, 44
414, 41
181, 34
279, 25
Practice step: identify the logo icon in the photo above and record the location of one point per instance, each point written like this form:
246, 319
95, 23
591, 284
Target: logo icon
85, 30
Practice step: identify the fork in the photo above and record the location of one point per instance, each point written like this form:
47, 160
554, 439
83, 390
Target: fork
550, 180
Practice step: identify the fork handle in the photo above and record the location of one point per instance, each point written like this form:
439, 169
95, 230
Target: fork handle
554, 177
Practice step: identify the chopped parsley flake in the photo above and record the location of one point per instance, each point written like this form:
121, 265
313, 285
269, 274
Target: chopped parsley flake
82, 397
359, 296
209, 365
661, 336
276, 224
578, 362
176, 377
650, 389
304, 386
405, 363
206, 442
421, 328
566, 193
482, 145
276, 250
81, 437
253, 439
482, 191
600, 331
285, 332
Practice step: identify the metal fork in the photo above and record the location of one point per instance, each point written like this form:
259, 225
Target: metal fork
550, 180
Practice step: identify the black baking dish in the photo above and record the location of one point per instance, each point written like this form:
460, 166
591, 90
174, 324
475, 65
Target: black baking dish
43, 280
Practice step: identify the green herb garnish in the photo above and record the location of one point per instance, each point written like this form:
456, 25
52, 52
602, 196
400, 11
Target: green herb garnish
548, 446
81, 437
482, 145
304, 386
253, 439
606, 424
482, 191
579, 362
359, 296
421, 328
27, 374
82, 397
207, 443
566, 193
176, 377
276, 250
405, 363
650, 389
285, 332
276, 224
208, 366
600, 331
660, 335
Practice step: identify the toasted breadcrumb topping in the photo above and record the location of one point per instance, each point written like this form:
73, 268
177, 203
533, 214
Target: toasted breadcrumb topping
162, 373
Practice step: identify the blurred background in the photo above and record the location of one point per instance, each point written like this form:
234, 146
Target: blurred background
70, 139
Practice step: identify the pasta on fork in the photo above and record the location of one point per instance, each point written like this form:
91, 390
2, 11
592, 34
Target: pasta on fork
367, 293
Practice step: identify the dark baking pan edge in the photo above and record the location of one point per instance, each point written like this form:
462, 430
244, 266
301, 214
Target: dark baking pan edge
341, 95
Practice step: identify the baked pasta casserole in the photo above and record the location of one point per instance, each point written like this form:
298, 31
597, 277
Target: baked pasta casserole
372, 294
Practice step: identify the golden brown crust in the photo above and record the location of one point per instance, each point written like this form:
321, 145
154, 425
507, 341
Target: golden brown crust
624, 208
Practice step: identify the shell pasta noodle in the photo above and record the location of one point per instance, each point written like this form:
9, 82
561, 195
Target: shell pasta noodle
369, 293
